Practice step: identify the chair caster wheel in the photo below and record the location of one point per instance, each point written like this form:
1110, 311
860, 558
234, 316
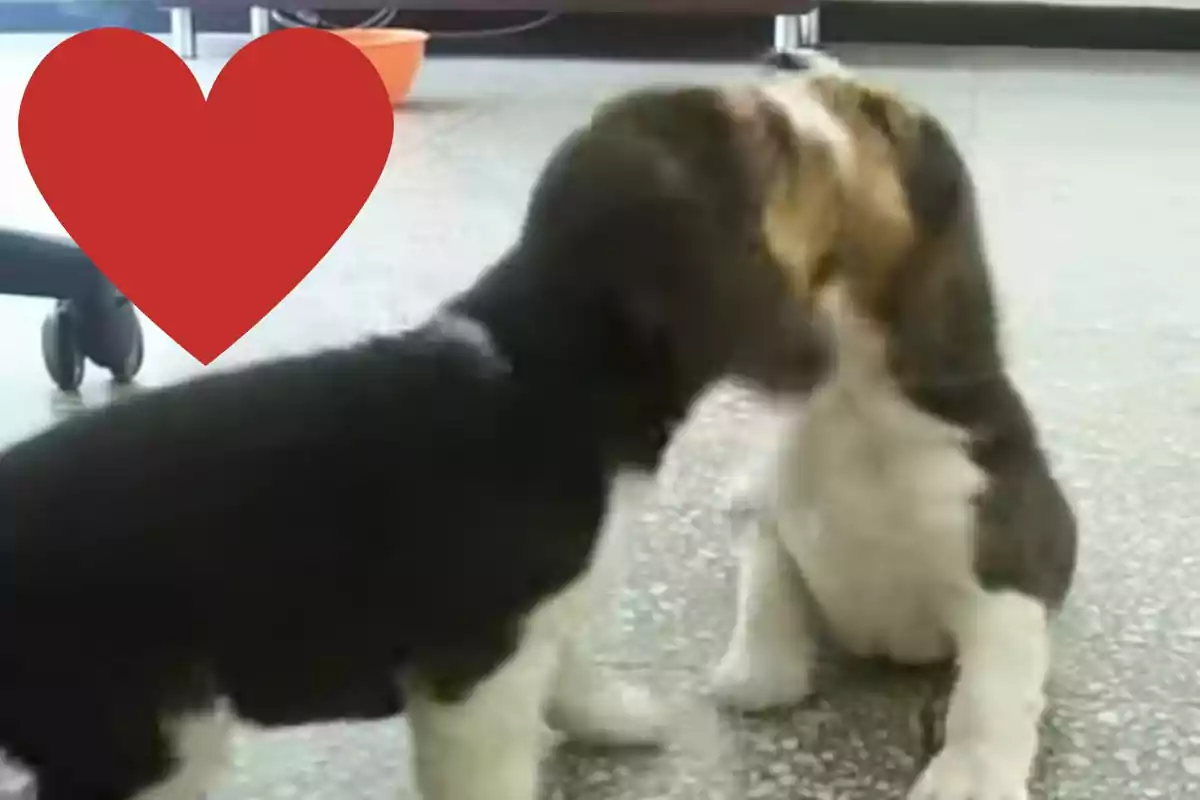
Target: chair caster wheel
111, 336
61, 348
128, 368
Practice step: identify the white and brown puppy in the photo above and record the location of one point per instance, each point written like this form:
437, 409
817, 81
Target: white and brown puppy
911, 511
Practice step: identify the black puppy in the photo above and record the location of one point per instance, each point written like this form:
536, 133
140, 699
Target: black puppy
408, 524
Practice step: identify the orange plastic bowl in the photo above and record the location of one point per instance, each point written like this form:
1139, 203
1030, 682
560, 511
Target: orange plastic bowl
397, 54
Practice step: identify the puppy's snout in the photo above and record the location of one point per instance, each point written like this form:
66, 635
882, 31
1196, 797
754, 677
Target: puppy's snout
795, 359
809, 356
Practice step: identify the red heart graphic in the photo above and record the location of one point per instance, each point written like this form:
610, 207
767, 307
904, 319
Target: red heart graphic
205, 215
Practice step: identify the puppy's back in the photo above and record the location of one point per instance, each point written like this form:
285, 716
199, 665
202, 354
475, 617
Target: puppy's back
187, 509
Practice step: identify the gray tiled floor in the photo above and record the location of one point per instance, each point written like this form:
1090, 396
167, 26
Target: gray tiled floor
1090, 183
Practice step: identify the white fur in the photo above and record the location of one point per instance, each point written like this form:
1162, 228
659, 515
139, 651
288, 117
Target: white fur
748, 492
874, 505
771, 656
472, 333
589, 704
489, 745
200, 744
811, 118
592, 706
991, 726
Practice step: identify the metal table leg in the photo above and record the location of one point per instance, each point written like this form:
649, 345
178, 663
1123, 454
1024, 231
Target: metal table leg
797, 38
183, 32
810, 28
798, 31
260, 21
787, 32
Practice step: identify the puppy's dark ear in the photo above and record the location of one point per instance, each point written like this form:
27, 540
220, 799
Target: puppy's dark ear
934, 177
644, 333
648, 401
932, 169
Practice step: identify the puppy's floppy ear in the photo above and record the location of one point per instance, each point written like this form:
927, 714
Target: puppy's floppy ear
932, 171
649, 402
934, 177
930, 167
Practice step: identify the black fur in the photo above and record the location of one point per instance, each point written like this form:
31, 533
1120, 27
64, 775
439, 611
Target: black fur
293, 534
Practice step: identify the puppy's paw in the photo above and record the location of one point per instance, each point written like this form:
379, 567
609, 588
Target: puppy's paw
746, 683
622, 715
636, 717
965, 773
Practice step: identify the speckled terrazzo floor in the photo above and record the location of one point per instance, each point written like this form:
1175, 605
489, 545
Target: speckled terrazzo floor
1090, 180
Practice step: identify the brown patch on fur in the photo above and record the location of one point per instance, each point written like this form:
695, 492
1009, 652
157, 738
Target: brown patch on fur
869, 109
929, 291
878, 230
855, 222
803, 190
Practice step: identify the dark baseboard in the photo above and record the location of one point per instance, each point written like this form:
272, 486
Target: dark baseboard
727, 37
1012, 24
739, 37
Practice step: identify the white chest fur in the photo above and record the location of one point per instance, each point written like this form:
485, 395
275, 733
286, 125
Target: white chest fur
873, 501
876, 505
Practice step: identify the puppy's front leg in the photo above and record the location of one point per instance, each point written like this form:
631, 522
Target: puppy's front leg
749, 495
593, 706
997, 702
488, 744
772, 653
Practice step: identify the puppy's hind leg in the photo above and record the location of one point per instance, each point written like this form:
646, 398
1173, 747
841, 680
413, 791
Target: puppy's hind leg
592, 706
487, 745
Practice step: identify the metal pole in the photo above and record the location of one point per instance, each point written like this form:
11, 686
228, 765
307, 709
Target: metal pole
787, 33
260, 21
810, 28
183, 32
